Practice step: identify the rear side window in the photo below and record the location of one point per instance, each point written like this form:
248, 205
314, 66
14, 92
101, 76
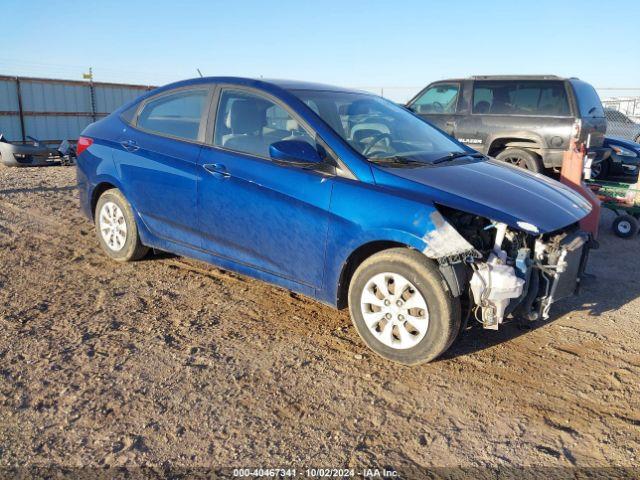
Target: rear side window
546, 98
129, 114
441, 98
588, 100
175, 115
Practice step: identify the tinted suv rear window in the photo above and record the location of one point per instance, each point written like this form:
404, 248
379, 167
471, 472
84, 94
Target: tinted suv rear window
176, 115
547, 98
588, 99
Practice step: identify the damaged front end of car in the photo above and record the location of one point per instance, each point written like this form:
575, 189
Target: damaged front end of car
501, 271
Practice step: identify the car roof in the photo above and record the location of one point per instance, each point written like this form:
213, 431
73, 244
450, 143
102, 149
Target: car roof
266, 84
507, 77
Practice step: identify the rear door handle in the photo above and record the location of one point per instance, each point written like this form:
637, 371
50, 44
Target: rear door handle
217, 170
129, 145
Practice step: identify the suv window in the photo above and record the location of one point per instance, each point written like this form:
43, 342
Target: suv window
441, 98
250, 123
547, 98
588, 99
176, 115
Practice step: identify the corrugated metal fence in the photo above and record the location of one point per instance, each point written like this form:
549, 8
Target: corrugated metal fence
55, 110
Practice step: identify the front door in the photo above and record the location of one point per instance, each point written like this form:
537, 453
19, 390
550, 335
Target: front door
438, 105
252, 210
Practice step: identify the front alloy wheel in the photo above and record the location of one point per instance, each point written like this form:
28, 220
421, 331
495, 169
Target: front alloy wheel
394, 311
401, 306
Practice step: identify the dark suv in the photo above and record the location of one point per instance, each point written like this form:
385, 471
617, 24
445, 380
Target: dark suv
524, 120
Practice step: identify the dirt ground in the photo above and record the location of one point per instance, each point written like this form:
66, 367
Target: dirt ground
172, 363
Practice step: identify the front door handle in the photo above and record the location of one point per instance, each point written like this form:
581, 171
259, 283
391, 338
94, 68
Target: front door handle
217, 170
130, 145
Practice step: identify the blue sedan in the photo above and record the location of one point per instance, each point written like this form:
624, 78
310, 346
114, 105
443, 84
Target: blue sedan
336, 194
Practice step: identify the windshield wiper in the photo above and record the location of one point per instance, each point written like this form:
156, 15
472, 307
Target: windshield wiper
396, 159
454, 155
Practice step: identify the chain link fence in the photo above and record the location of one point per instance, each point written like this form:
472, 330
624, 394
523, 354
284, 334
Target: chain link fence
622, 108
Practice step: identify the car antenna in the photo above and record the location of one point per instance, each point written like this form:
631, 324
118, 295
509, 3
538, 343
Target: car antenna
199, 72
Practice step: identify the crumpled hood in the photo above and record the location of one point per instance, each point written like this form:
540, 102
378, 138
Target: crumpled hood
493, 190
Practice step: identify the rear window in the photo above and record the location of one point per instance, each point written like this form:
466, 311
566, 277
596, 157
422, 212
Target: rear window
588, 100
176, 115
548, 98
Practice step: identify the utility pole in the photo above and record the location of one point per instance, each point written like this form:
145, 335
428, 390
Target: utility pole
92, 93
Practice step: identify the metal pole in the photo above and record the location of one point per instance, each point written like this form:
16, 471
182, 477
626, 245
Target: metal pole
21, 111
92, 93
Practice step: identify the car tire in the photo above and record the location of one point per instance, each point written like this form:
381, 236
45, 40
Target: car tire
519, 157
625, 226
422, 325
601, 170
116, 227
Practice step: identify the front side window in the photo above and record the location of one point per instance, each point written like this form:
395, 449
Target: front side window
176, 115
377, 128
548, 98
250, 123
441, 98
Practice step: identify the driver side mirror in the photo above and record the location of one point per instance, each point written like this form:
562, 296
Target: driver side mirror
295, 153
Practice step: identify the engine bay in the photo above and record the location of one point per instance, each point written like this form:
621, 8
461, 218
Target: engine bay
513, 273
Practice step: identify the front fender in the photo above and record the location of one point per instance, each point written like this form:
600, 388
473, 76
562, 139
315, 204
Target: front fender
363, 214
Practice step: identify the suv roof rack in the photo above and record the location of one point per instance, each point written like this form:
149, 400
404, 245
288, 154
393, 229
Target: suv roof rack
516, 77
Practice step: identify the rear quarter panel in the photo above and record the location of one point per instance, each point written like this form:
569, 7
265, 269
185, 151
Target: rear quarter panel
95, 165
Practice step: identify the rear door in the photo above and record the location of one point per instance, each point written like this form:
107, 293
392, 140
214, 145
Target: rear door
270, 217
591, 112
157, 159
438, 104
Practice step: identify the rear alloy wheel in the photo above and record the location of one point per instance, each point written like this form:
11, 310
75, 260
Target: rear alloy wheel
401, 307
116, 228
519, 157
625, 226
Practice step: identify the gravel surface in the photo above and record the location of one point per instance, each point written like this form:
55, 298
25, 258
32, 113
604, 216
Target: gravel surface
172, 363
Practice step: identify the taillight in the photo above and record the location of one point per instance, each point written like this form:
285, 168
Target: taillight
576, 130
83, 144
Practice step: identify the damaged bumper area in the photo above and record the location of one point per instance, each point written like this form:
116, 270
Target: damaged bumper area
15, 155
501, 272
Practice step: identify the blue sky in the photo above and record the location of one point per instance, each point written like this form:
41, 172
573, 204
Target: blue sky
352, 43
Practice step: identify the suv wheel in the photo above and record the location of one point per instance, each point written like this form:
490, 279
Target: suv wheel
401, 307
600, 170
116, 228
522, 158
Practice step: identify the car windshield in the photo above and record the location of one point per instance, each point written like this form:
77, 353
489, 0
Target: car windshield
379, 129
